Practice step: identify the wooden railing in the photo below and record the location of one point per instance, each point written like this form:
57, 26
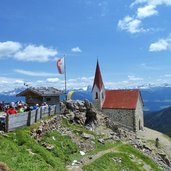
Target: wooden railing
28, 118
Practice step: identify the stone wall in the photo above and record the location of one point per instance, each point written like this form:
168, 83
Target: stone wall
122, 117
139, 115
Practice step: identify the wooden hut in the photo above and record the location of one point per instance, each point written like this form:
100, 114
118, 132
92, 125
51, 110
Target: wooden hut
34, 96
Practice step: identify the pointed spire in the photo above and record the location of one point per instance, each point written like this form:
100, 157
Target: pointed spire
98, 77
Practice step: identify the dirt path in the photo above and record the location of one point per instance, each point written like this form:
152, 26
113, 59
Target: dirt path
164, 141
147, 134
89, 159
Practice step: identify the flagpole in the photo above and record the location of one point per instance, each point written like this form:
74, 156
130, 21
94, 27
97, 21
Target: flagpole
65, 77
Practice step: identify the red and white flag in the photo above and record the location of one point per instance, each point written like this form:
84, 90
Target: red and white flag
60, 65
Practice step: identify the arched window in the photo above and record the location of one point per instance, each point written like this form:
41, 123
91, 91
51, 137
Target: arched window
96, 96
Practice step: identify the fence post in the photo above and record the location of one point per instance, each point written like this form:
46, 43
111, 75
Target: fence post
49, 109
36, 115
55, 110
7, 123
29, 118
40, 112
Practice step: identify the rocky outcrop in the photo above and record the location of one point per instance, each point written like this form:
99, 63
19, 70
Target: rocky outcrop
80, 112
83, 113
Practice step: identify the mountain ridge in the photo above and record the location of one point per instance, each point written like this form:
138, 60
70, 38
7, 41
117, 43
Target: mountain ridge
155, 98
160, 121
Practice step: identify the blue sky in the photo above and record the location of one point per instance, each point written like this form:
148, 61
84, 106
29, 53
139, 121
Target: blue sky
131, 39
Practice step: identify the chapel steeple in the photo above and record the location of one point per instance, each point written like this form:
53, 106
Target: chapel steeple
98, 89
98, 77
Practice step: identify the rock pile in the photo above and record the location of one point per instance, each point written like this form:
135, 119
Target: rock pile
80, 112
83, 140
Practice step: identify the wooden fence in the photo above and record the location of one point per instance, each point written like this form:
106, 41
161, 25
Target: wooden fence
28, 118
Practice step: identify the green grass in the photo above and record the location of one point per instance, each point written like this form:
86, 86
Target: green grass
108, 163
18, 158
167, 137
123, 151
15, 153
78, 129
131, 150
64, 148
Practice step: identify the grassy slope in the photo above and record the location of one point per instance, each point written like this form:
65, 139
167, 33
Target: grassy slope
124, 151
14, 151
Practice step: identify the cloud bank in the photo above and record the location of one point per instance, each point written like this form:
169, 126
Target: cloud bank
31, 52
144, 8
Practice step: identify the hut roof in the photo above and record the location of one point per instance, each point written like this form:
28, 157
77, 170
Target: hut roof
41, 91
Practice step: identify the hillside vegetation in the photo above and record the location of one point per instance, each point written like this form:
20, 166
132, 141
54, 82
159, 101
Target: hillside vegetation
55, 151
160, 121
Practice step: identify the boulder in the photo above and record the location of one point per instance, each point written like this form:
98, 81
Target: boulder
165, 158
87, 136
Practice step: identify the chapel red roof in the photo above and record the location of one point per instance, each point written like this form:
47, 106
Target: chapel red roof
121, 99
98, 77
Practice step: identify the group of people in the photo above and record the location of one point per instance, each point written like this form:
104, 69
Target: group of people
18, 107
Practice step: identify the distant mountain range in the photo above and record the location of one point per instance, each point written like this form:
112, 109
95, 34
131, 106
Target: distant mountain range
157, 104
160, 121
155, 98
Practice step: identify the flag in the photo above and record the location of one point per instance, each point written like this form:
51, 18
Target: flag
69, 95
60, 65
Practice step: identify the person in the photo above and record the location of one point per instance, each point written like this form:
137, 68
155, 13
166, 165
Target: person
20, 108
44, 104
11, 110
1, 107
36, 107
157, 142
26, 108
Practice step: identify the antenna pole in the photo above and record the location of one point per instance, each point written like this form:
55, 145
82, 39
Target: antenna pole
65, 77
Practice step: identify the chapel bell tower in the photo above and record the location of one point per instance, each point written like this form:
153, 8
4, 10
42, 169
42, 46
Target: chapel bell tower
98, 90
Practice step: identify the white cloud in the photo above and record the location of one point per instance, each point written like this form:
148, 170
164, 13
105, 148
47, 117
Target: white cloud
151, 2
149, 8
130, 24
34, 74
35, 53
7, 84
161, 45
9, 48
146, 11
52, 80
16, 50
167, 75
76, 49
134, 78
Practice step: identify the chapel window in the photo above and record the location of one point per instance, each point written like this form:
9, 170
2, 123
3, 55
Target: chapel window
96, 96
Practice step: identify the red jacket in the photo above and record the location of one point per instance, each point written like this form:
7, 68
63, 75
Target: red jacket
11, 111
